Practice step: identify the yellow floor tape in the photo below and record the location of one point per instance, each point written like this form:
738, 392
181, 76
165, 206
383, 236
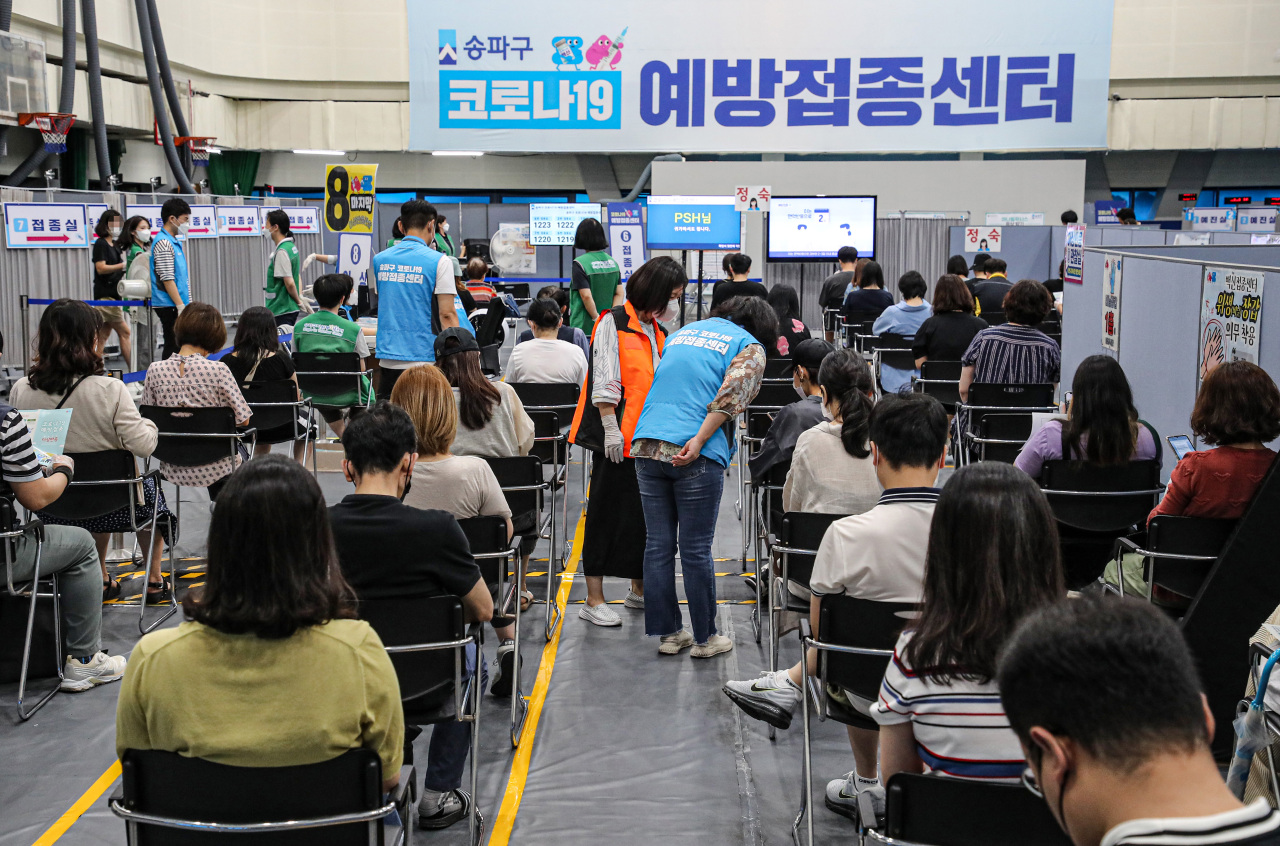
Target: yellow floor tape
81, 805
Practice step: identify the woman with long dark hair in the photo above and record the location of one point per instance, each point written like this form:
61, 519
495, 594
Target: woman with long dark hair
493, 420
1102, 425
237, 683
108, 269
939, 705
791, 329
67, 373
258, 356
135, 246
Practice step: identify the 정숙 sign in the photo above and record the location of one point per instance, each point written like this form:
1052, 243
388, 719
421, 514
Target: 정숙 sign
238, 221
626, 237
808, 228
303, 220
659, 75
1230, 316
1210, 220
204, 222
1015, 218
982, 239
45, 225
1112, 276
557, 223
1073, 257
752, 197
679, 222
354, 252
349, 197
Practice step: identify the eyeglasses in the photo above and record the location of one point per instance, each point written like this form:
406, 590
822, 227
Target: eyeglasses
1031, 783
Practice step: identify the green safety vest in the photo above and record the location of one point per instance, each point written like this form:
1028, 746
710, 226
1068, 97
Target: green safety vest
604, 276
278, 299
326, 332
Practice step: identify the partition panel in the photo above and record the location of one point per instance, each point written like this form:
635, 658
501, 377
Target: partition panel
1027, 250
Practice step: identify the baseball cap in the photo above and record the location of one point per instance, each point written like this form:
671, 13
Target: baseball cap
463, 341
810, 352
979, 260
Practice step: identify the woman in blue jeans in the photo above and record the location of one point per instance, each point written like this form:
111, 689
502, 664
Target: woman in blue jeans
683, 443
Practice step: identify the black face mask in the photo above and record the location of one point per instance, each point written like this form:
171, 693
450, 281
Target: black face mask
408, 483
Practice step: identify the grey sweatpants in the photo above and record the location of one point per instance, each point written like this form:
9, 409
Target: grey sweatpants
69, 551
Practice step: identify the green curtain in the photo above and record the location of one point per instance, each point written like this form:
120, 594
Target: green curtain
75, 161
115, 151
232, 167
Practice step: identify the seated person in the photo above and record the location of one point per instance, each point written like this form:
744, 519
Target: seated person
905, 319
878, 555
791, 329
67, 373
572, 334
738, 284
946, 334
371, 530
1102, 425
866, 302
1238, 411
473, 280
989, 292
1016, 352
1106, 701
463, 485
271, 668
939, 706
190, 380
493, 419
327, 331
835, 288
546, 358
257, 356
790, 421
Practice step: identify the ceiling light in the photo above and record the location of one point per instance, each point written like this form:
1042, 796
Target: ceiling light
457, 153
321, 152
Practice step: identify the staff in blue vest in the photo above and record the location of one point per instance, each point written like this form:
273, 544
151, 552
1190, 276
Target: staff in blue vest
417, 297
683, 443
170, 282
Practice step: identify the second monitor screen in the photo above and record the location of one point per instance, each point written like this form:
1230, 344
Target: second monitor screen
815, 228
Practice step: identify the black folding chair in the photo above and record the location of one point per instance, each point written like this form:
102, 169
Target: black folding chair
766, 511
941, 380
1094, 506
752, 427
487, 336
10, 530
107, 482
858, 334
167, 799
277, 408
1001, 437
1178, 552
890, 349
194, 437
778, 369
933, 810
994, 318
995, 398
333, 380
427, 638
855, 642
551, 445
494, 554
524, 487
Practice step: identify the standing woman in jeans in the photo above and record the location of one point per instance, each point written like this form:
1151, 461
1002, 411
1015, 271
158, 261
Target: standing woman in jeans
710, 371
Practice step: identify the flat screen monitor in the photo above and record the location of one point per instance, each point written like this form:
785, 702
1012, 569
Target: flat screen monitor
815, 228
552, 224
693, 223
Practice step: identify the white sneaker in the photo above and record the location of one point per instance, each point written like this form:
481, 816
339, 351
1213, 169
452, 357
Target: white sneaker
101, 669
673, 644
843, 793
600, 615
714, 646
634, 600
771, 697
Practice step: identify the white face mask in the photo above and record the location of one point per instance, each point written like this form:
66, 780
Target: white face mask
444, 227
142, 236
182, 229
114, 230
671, 312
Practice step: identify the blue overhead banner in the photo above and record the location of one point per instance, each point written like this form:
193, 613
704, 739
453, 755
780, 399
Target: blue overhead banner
660, 75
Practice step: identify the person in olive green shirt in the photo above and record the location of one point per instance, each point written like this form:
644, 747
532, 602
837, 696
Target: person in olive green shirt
271, 668
284, 271
596, 283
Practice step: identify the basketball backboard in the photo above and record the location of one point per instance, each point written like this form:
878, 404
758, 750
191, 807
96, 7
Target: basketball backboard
22, 82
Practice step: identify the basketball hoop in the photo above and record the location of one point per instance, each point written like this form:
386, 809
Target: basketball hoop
53, 127
199, 146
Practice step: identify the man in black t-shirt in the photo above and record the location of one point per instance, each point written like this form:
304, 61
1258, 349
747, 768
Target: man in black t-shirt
833, 290
388, 549
738, 285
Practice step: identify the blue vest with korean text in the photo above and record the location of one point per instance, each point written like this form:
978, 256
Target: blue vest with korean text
406, 278
694, 362
159, 296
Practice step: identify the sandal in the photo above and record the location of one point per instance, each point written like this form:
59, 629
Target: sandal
110, 589
526, 600
159, 591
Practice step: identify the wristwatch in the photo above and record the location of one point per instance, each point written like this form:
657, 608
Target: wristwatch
64, 470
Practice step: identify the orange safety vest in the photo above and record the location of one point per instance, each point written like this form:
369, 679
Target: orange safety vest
636, 360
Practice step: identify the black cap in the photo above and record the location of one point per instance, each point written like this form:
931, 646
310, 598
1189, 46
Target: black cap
979, 260
810, 352
463, 341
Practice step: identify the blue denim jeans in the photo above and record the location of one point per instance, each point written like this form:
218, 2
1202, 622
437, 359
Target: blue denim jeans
451, 742
681, 505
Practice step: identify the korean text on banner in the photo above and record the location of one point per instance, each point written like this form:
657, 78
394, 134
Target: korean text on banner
982, 239
1104, 211
1073, 257
1112, 276
349, 197
303, 220
92, 213
150, 212
1230, 316
238, 221
1015, 218
626, 237
354, 252
45, 225
513, 77
752, 197
204, 222
1256, 220
1210, 220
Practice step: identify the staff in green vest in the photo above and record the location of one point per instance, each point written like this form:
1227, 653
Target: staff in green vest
328, 332
397, 234
443, 242
596, 280
284, 271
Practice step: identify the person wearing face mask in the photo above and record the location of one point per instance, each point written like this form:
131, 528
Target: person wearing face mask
626, 344
108, 270
596, 283
284, 271
443, 242
170, 278
135, 246
799, 417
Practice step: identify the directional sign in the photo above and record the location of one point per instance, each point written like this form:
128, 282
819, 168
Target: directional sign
238, 221
45, 225
150, 212
354, 252
204, 222
303, 220
92, 212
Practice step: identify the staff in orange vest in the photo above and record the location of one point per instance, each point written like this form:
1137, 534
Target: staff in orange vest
626, 343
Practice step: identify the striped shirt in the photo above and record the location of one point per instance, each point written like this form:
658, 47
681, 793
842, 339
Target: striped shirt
17, 453
1253, 825
960, 727
162, 251
1013, 355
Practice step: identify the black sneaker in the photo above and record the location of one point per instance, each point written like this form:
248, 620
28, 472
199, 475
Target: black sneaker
505, 669
448, 809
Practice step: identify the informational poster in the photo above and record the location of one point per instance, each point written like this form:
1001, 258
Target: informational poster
752, 198
1272, 238
238, 222
349, 197
204, 222
1073, 256
92, 213
1255, 220
1112, 276
1104, 211
626, 236
557, 223
661, 75
982, 239
49, 428
1015, 218
150, 212
1210, 220
354, 252
45, 225
1188, 239
1230, 316
303, 220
